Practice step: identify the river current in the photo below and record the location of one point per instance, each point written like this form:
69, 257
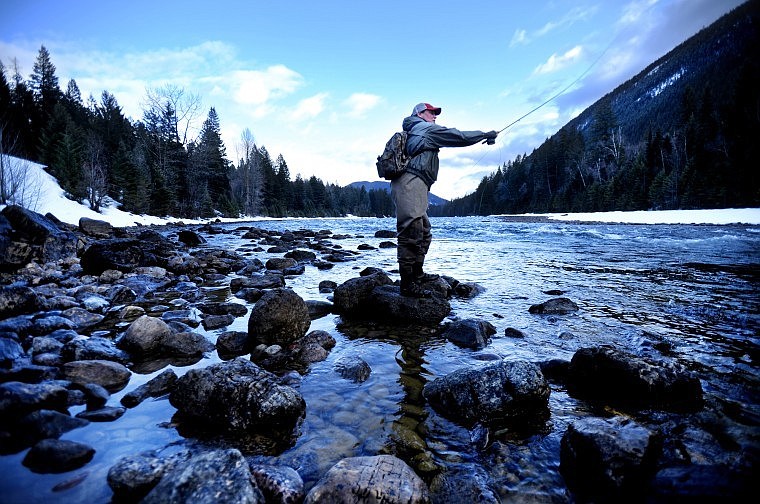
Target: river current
682, 292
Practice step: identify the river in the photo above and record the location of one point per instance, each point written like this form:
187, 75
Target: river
682, 292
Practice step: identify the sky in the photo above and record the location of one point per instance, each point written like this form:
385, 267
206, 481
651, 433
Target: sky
326, 83
44, 196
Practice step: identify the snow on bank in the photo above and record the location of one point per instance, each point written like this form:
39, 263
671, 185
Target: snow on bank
722, 216
46, 196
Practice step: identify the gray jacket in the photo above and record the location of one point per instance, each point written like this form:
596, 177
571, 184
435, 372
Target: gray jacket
426, 138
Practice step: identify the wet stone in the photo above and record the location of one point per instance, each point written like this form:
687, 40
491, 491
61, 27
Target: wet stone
57, 456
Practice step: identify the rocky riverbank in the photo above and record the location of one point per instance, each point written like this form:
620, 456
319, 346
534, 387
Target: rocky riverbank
84, 307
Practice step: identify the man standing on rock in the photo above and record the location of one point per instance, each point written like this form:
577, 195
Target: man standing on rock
410, 191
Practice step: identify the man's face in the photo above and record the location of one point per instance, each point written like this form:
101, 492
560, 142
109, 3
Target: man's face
427, 115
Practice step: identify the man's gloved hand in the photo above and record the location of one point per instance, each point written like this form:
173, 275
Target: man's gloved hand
491, 137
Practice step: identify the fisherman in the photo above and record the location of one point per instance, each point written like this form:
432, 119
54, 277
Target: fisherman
410, 191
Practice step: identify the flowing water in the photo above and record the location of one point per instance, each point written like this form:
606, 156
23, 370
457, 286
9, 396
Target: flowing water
682, 292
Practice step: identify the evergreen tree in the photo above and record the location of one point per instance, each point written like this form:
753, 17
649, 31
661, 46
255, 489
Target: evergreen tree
214, 164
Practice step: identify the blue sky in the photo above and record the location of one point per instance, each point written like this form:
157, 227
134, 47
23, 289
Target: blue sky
326, 83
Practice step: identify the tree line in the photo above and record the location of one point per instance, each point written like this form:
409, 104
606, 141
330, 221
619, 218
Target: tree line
156, 165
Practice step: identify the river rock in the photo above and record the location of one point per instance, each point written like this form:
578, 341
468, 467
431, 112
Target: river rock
95, 228
301, 255
215, 477
190, 238
385, 478
237, 395
46, 241
374, 297
607, 374
555, 306
279, 484
93, 348
463, 484
25, 431
123, 254
504, 390
608, 459
279, 317
318, 309
155, 387
473, 334
231, 344
18, 300
17, 399
280, 263
104, 414
353, 368
352, 297
57, 456
133, 476
268, 281
108, 374
144, 335
10, 351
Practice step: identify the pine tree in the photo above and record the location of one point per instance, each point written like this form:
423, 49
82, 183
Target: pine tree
44, 83
210, 158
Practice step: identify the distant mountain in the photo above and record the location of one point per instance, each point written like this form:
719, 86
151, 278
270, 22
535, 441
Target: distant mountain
682, 134
386, 186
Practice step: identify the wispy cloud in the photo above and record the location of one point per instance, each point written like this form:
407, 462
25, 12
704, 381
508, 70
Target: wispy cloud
359, 103
311, 107
558, 62
575, 15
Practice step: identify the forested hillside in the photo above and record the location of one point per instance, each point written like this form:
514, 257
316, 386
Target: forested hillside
152, 165
681, 134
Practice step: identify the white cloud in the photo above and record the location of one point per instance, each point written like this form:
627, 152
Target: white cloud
519, 38
310, 107
558, 62
359, 103
258, 87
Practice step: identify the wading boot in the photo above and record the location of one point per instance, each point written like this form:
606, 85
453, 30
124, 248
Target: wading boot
422, 277
410, 288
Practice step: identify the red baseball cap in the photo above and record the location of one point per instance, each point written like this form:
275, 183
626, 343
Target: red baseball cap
421, 107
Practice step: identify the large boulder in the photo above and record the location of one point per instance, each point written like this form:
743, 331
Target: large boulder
618, 378
237, 395
608, 459
352, 297
280, 317
382, 478
374, 297
33, 236
391, 306
500, 391
123, 254
30, 226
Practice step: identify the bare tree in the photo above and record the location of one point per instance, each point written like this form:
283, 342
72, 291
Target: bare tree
186, 107
17, 185
94, 174
249, 173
